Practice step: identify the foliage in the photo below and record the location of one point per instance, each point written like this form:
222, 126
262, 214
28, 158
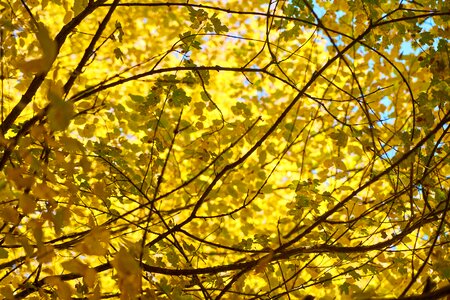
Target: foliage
224, 149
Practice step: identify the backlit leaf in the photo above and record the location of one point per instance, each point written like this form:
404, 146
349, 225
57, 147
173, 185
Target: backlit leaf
161, 150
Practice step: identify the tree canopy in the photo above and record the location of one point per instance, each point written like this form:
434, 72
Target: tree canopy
229, 149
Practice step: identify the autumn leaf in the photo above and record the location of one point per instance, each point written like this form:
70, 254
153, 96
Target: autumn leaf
3, 253
27, 203
49, 51
129, 273
224, 150
95, 242
263, 262
63, 289
60, 115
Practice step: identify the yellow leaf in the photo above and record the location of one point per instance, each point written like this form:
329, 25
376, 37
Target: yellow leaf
7, 292
63, 289
27, 203
79, 5
38, 132
48, 45
72, 145
43, 191
99, 188
90, 277
19, 177
263, 262
32, 66
29, 250
3, 253
55, 90
95, 243
68, 16
60, 218
125, 263
45, 254
75, 266
96, 295
49, 51
36, 227
9, 214
52, 280
129, 274
382, 258
339, 164
60, 114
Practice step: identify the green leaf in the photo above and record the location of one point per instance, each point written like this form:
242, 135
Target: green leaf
188, 247
426, 38
137, 98
118, 54
152, 99
173, 258
345, 288
218, 26
179, 98
120, 30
